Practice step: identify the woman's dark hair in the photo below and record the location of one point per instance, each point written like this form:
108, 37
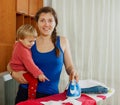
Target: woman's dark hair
54, 33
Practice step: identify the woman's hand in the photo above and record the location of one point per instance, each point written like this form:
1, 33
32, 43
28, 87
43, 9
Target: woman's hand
74, 76
18, 76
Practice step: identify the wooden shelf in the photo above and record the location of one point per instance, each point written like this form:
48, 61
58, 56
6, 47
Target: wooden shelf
25, 14
27, 19
13, 14
19, 20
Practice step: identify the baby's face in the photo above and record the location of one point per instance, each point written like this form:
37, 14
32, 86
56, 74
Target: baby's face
28, 41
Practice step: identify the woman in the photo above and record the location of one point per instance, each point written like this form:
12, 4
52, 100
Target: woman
49, 53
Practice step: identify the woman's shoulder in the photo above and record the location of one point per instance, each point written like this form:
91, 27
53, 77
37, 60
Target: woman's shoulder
63, 42
63, 39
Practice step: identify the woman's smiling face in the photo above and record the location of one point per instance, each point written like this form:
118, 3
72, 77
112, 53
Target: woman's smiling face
46, 23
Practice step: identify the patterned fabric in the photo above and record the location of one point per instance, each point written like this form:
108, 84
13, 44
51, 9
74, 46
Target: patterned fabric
32, 87
84, 99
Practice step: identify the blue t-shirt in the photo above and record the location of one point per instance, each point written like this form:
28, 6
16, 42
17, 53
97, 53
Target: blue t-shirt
51, 65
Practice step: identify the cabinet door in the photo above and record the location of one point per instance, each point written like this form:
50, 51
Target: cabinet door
22, 6
33, 6
7, 31
40, 4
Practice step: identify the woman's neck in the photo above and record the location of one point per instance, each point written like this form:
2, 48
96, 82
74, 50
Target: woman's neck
44, 44
45, 38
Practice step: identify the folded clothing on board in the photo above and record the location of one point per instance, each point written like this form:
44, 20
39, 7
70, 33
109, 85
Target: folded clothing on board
95, 90
93, 87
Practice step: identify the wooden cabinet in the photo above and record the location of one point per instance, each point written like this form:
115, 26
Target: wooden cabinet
19, 20
25, 15
14, 13
7, 31
33, 7
28, 7
22, 6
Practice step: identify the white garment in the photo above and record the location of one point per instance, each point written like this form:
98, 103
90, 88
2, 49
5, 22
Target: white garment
72, 101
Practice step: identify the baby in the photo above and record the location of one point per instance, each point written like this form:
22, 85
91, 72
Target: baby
22, 58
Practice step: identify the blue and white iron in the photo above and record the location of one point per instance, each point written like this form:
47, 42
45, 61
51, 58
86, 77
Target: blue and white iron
74, 90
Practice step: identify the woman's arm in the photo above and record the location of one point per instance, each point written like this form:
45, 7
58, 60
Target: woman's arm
68, 60
18, 76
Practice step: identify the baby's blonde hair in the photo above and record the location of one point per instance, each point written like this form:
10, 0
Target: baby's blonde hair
26, 30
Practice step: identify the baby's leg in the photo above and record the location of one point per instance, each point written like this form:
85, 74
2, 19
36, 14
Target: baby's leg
32, 85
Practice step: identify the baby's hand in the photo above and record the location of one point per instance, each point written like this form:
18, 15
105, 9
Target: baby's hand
42, 78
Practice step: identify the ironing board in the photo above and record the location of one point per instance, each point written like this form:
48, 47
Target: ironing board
85, 99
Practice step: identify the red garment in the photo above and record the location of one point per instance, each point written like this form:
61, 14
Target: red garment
32, 87
101, 96
86, 100
22, 60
